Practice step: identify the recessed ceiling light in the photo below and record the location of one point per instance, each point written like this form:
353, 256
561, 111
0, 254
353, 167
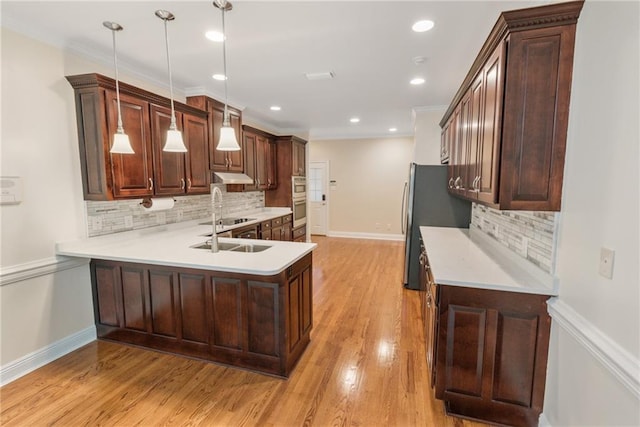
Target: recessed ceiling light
417, 81
275, 108
220, 77
354, 120
327, 75
422, 26
214, 36
393, 129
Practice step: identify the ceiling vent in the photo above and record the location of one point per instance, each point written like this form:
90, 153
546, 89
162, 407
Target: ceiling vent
320, 76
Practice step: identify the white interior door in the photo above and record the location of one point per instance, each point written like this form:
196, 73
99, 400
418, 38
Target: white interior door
317, 194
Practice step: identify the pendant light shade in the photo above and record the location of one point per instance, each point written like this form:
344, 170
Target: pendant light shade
228, 140
121, 143
174, 141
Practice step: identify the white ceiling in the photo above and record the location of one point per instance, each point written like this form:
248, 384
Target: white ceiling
369, 46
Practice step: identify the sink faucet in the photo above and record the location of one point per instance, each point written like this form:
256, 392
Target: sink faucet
214, 236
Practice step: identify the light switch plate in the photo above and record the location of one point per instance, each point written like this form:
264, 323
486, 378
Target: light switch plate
606, 262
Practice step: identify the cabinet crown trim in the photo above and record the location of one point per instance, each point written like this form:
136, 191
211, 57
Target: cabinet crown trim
95, 80
510, 22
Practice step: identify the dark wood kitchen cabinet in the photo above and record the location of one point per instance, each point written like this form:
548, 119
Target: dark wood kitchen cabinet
290, 162
145, 115
512, 112
259, 163
221, 161
491, 354
256, 322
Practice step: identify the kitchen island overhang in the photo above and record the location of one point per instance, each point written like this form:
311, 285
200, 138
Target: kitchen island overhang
211, 306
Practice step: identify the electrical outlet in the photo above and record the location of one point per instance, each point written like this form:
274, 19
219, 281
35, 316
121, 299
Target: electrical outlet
388, 227
606, 262
128, 221
378, 226
180, 214
96, 223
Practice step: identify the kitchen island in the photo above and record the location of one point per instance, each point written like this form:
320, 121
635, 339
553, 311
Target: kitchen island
156, 289
486, 327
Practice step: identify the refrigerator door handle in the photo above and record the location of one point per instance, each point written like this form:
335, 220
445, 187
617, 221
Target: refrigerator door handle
403, 214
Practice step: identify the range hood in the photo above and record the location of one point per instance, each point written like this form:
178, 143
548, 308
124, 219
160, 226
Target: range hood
231, 178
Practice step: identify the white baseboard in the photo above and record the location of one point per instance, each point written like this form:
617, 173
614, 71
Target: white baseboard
32, 361
373, 236
622, 364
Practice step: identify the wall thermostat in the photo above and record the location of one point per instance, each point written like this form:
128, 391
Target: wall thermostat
10, 190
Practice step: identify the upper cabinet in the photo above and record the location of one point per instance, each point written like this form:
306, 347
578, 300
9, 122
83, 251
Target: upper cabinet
290, 161
221, 161
506, 128
299, 162
146, 117
258, 159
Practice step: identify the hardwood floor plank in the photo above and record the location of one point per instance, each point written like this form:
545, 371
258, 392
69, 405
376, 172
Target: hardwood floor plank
365, 366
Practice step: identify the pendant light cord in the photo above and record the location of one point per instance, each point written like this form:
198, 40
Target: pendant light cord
225, 119
115, 64
172, 126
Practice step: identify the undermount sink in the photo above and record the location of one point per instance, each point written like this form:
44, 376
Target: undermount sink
233, 247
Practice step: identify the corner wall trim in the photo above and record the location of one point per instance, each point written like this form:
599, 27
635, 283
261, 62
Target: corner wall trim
622, 364
32, 361
543, 421
373, 236
41, 267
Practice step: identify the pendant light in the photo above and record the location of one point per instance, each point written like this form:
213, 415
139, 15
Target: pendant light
174, 136
228, 140
121, 143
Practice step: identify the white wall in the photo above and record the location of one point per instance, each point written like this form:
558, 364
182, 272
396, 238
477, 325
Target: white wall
426, 128
600, 209
42, 300
369, 175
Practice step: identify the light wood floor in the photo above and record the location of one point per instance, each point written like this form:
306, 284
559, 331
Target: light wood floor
364, 367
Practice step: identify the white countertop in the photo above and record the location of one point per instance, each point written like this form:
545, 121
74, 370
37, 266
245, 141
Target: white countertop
171, 245
463, 257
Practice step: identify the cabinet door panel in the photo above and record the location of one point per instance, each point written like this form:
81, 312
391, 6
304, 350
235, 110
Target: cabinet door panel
263, 314
217, 159
196, 137
536, 100
193, 307
168, 167
306, 301
133, 298
249, 148
108, 293
262, 162
227, 313
465, 331
294, 312
236, 163
514, 366
163, 310
131, 172
489, 150
474, 123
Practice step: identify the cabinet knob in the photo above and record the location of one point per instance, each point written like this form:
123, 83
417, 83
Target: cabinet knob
230, 162
451, 182
182, 183
188, 183
150, 184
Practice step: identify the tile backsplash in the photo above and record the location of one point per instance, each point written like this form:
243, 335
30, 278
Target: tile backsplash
530, 235
124, 215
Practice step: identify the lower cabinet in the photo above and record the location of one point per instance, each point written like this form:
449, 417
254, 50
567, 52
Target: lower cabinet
490, 349
277, 229
261, 323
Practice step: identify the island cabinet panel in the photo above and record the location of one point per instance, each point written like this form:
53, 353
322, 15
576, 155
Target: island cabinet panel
162, 294
492, 351
107, 294
193, 307
227, 313
238, 319
263, 318
133, 297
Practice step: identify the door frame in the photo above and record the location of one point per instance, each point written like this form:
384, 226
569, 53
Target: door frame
327, 218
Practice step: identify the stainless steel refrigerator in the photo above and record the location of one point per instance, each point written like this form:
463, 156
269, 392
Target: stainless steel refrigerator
425, 202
